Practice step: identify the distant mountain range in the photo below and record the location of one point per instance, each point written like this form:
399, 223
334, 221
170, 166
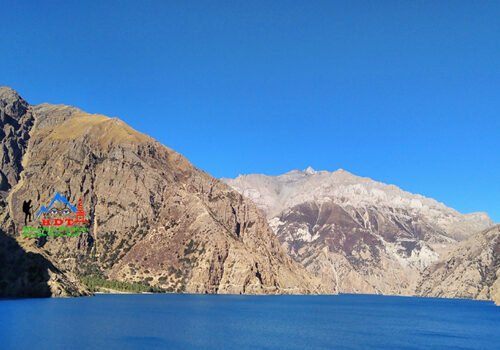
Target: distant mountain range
356, 234
158, 221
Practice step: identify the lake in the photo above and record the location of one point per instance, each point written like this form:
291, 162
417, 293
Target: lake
176, 321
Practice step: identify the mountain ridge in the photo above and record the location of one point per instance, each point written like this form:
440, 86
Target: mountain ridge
157, 220
311, 171
154, 218
342, 177
359, 234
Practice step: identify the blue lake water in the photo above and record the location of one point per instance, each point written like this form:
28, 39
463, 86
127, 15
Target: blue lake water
169, 321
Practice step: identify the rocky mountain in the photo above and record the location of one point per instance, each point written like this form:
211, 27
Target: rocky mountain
357, 234
25, 270
153, 218
471, 270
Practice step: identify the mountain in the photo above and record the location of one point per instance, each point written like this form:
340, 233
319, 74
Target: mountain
25, 270
357, 234
154, 218
471, 270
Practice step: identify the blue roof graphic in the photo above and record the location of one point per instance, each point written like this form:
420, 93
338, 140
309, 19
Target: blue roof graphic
57, 198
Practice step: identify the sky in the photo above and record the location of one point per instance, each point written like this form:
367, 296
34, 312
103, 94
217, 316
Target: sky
404, 92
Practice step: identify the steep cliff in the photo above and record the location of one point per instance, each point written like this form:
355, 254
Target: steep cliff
25, 270
153, 217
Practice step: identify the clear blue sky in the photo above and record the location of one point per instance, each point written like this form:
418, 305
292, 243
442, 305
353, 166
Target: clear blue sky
405, 92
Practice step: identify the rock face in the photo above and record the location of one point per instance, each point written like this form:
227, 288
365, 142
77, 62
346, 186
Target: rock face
16, 121
471, 270
30, 273
153, 217
357, 234
25, 271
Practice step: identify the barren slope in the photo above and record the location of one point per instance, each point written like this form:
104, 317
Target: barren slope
471, 270
357, 234
154, 218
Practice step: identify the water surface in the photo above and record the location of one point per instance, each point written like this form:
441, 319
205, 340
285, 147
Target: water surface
170, 321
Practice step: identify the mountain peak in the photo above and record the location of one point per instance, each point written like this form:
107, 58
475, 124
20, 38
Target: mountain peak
349, 230
12, 102
310, 171
8, 93
277, 193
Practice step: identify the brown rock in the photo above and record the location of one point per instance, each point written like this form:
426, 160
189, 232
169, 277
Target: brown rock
471, 270
154, 218
358, 235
